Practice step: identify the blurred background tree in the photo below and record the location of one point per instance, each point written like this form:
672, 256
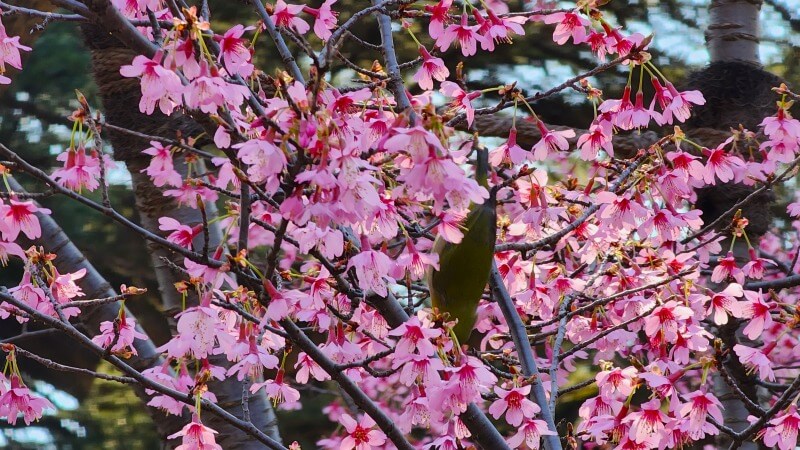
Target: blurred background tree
33, 118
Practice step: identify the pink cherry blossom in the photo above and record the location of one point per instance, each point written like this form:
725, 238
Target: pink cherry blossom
196, 436
9, 50
431, 69
414, 337
783, 432
161, 168
234, 53
755, 359
20, 217
7, 249
159, 85
372, 270
461, 98
551, 141
721, 165
515, 404
699, 407
17, 399
121, 333
325, 19
647, 423
361, 435
467, 36
530, 433
570, 25
757, 313
81, 171
287, 15
727, 267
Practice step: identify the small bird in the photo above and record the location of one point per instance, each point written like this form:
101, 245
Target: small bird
457, 287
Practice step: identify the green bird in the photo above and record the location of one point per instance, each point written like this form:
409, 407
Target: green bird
464, 268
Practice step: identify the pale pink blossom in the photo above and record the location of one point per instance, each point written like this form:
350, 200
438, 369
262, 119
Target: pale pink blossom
20, 217
234, 52
196, 436
123, 331
515, 404
570, 25
430, 69
551, 141
361, 435
467, 36
287, 15
17, 399
530, 433
161, 168
159, 85
783, 430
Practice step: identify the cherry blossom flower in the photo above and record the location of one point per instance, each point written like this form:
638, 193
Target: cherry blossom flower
431, 69
133, 8
755, 359
325, 19
414, 337
121, 333
18, 399
9, 50
287, 15
551, 141
159, 85
598, 137
570, 25
721, 165
80, 171
208, 93
418, 368
415, 262
616, 380
698, 408
501, 29
20, 217
510, 151
467, 36
681, 102
306, 367
9, 248
182, 235
196, 436
727, 267
361, 435
161, 168
530, 433
372, 270
254, 361
724, 303
757, 311
756, 266
234, 54
646, 424
783, 432
515, 404
461, 99
277, 390
439, 17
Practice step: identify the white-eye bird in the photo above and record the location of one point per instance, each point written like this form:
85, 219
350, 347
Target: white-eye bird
457, 287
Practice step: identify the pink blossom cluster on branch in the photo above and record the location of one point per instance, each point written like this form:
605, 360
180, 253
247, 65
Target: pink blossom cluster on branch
345, 191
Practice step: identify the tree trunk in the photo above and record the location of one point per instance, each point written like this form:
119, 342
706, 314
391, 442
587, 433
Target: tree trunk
734, 32
733, 36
